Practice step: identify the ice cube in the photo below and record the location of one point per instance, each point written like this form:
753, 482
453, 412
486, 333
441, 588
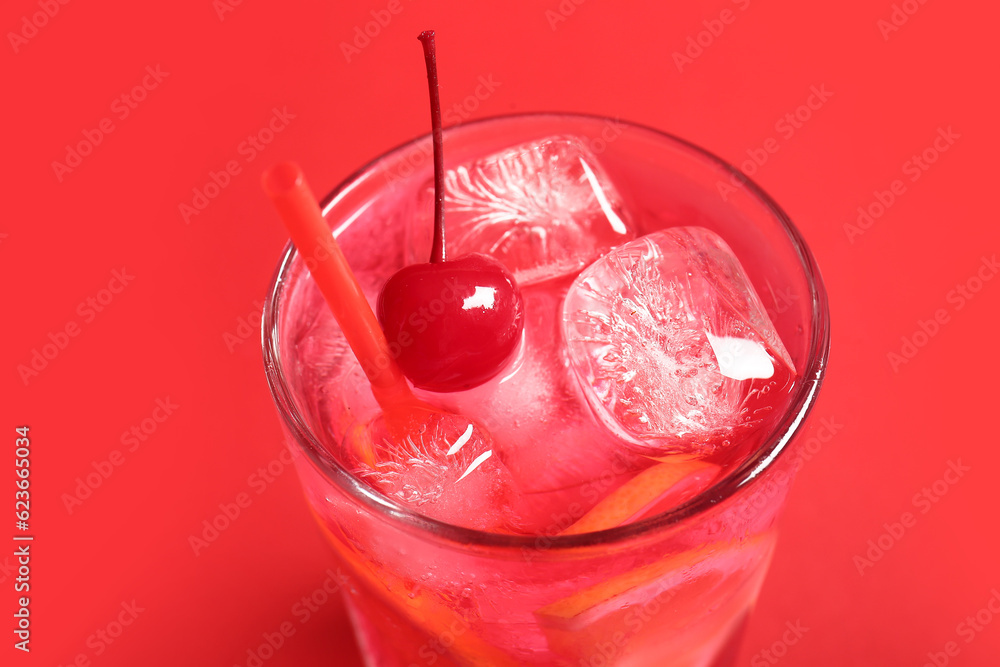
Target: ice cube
542, 425
443, 467
545, 209
672, 345
331, 388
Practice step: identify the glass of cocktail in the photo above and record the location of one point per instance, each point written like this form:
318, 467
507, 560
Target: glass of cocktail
620, 508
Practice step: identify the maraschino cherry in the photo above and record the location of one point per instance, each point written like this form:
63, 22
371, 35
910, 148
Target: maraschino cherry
455, 322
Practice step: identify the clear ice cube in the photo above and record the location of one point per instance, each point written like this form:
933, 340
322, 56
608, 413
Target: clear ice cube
545, 209
440, 464
543, 426
672, 345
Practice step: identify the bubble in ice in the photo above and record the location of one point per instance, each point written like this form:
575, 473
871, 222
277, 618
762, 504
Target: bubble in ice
440, 464
544, 209
672, 345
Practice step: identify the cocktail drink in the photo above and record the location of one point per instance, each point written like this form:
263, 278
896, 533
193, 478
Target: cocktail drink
608, 494
617, 519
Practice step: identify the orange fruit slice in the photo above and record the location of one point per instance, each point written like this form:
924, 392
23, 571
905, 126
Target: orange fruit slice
606, 592
661, 608
656, 488
421, 607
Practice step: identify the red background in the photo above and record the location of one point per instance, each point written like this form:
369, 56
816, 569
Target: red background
175, 330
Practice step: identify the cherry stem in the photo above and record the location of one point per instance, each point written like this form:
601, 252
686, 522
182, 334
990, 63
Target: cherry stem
430, 59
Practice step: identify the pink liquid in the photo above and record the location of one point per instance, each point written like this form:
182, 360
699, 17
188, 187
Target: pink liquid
676, 595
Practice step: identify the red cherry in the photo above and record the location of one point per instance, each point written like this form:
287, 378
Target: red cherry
454, 324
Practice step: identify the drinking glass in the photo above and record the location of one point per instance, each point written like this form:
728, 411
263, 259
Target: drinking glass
673, 589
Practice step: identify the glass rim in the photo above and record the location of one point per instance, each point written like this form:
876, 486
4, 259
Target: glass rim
754, 467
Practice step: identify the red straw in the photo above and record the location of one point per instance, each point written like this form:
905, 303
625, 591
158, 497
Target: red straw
287, 187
